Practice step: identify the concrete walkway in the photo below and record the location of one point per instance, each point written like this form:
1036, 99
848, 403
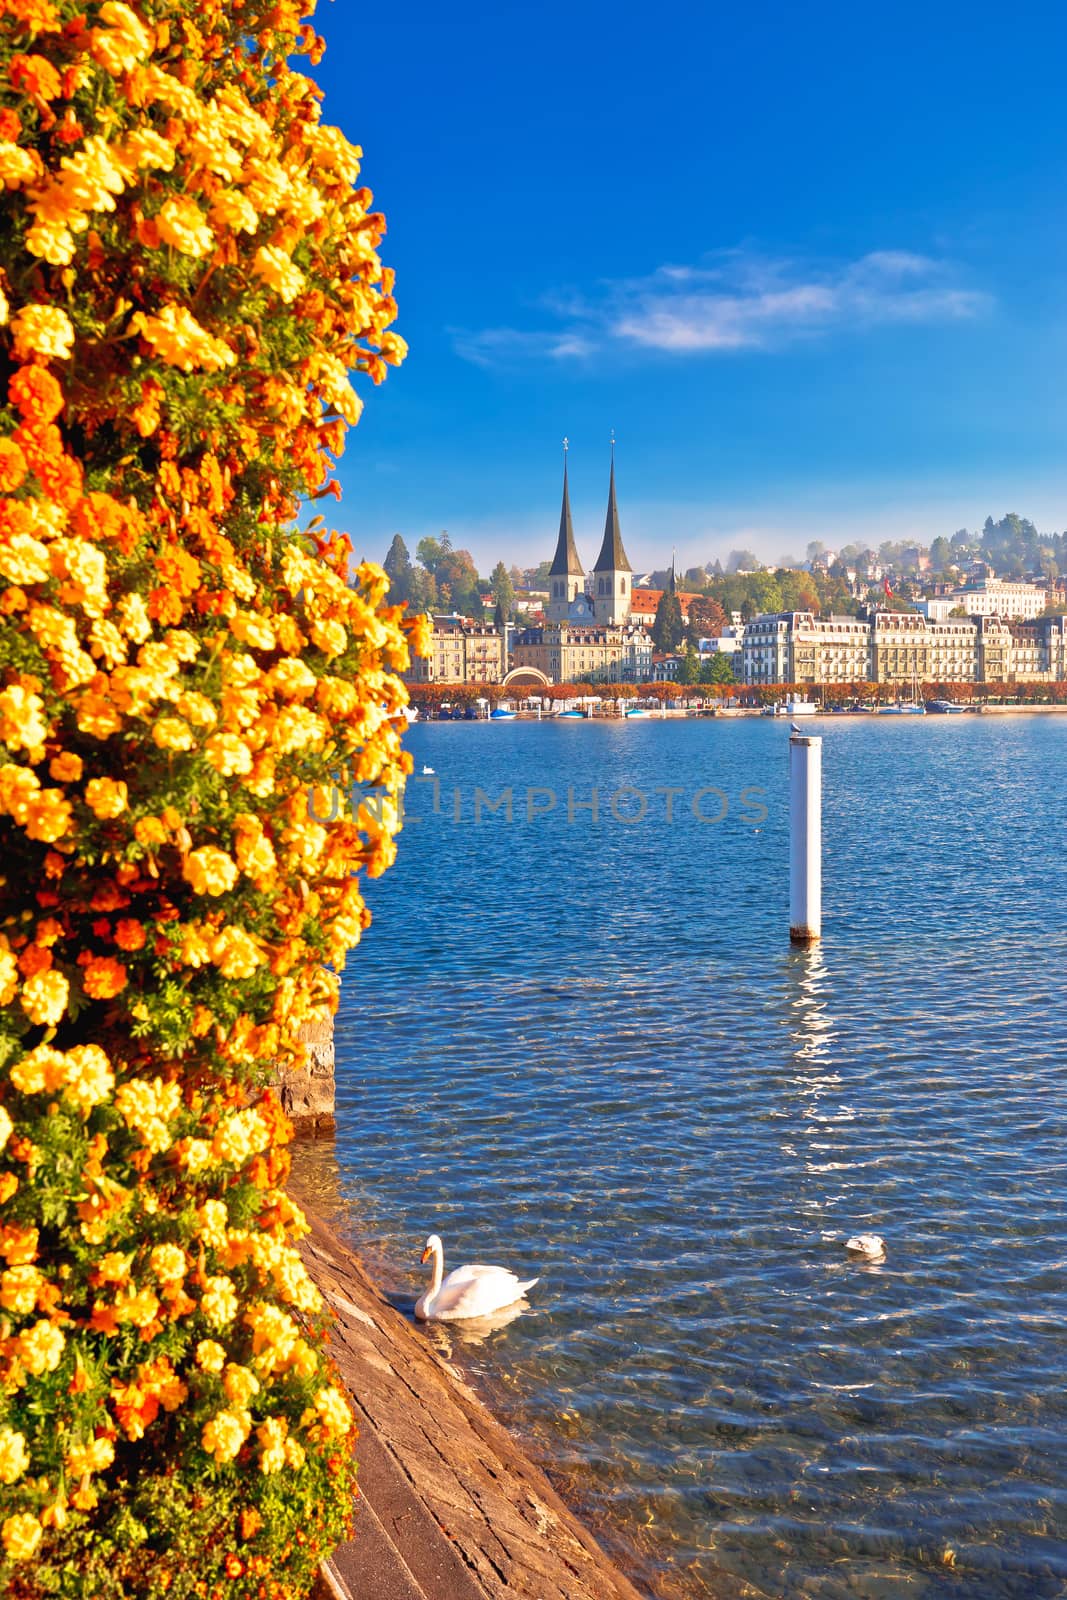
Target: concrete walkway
449, 1507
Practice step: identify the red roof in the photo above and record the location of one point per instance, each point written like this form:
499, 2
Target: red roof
649, 599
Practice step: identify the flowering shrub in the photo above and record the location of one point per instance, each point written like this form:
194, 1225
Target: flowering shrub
188, 275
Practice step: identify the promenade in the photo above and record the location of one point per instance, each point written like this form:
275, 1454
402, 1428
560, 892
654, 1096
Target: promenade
449, 1508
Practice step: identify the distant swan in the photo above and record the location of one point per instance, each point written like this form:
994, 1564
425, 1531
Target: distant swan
427, 772
871, 1245
471, 1291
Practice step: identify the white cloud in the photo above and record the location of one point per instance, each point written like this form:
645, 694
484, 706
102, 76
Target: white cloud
736, 300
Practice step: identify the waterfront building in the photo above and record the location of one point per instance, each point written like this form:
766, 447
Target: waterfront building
461, 652
999, 597
902, 647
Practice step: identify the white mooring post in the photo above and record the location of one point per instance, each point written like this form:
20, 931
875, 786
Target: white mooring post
805, 839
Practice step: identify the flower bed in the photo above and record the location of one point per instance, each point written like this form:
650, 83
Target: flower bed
189, 275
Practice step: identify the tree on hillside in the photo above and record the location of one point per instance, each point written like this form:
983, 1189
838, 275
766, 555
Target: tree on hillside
432, 551
503, 589
940, 554
668, 629
706, 618
422, 590
397, 565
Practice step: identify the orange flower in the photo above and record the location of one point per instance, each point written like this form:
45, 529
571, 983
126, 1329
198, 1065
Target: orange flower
103, 977
129, 934
12, 465
35, 394
37, 76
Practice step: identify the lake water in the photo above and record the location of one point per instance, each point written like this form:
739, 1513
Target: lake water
583, 1047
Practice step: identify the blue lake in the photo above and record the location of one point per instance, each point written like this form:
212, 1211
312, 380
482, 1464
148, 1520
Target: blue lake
582, 1047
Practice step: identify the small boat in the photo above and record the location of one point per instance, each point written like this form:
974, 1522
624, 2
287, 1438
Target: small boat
801, 708
906, 709
638, 713
945, 708
498, 714
572, 716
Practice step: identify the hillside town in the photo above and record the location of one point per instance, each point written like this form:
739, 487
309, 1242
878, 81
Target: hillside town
985, 608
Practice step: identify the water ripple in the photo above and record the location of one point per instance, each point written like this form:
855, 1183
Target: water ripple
584, 1049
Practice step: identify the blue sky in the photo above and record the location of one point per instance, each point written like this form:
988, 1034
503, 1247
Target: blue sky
808, 262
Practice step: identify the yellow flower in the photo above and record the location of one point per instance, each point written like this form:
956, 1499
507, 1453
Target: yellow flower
197, 709
224, 1435
271, 1435
42, 331
89, 1077
21, 1534
330, 1417
210, 870
96, 1456
133, 616
41, 1071
179, 339
123, 43
181, 223
210, 1357
228, 754
18, 166
40, 1348
231, 209
241, 1136
138, 1307
218, 1303
276, 268
44, 998
106, 797
146, 1107
240, 1384
24, 559
168, 1262
19, 1287
235, 954
14, 1457
171, 733
21, 718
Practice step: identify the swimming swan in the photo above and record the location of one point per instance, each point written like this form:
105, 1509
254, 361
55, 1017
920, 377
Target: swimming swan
870, 1245
471, 1291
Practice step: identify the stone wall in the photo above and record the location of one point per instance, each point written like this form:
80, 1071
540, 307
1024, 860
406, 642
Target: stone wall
307, 1092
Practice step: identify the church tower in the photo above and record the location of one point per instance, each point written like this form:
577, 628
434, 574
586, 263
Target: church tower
566, 576
613, 574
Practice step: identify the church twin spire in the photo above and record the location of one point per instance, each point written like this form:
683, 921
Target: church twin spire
612, 574
612, 557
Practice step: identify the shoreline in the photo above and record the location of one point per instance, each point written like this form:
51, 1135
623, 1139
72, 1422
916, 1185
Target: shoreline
449, 1506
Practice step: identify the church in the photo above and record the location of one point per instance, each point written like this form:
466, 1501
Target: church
588, 635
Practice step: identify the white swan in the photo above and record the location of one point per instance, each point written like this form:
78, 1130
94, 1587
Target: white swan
470, 1291
427, 772
870, 1245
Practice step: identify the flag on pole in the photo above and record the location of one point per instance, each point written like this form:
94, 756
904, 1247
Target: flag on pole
888, 590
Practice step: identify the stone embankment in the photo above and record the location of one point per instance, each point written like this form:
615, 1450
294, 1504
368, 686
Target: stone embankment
449, 1507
